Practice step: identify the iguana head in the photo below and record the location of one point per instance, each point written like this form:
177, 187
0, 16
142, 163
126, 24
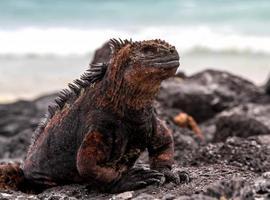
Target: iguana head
143, 63
136, 69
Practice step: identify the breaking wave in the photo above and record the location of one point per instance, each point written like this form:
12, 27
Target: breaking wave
67, 41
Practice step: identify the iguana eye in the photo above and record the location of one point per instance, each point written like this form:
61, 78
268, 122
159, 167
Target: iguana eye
149, 50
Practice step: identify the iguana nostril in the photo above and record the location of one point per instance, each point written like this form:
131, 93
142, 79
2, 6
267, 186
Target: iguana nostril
172, 50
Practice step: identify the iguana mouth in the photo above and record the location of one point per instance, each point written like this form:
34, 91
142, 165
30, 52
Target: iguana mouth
166, 62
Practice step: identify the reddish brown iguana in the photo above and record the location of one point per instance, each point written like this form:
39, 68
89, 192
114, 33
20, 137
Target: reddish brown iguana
99, 128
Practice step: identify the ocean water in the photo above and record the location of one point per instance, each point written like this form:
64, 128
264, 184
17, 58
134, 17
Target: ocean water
76, 27
54, 39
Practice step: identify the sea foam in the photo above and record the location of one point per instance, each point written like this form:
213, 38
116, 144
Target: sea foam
67, 41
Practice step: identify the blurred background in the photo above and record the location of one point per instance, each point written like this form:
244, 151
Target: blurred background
46, 44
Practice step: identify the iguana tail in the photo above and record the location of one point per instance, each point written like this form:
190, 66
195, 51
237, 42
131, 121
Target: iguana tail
11, 176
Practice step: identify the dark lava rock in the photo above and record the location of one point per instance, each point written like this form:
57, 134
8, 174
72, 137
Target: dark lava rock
17, 124
102, 55
169, 196
68, 192
262, 186
240, 189
12, 195
267, 87
72, 192
16, 117
226, 189
185, 147
252, 153
16, 146
207, 93
196, 197
242, 121
44, 101
144, 196
202, 177
185, 141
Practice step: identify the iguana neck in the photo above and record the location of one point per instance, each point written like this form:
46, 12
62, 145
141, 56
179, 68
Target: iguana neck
121, 98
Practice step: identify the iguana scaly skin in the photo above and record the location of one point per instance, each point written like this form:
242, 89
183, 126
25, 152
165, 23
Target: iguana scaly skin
100, 127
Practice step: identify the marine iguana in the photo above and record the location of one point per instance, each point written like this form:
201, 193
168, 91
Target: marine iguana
97, 130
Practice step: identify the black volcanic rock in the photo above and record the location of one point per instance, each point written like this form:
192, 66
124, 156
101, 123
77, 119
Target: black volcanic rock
232, 189
42, 103
21, 115
16, 146
267, 87
207, 93
17, 124
239, 189
16, 117
102, 55
242, 121
252, 153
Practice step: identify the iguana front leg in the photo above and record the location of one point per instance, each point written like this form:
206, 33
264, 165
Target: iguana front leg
161, 153
94, 151
92, 158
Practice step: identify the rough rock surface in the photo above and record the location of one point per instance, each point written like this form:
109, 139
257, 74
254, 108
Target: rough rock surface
207, 93
240, 189
243, 121
17, 123
221, 167
251, 154
102, 54
267, 86
17, 117
201, 177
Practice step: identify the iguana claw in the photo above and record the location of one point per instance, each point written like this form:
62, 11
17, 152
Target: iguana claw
176, 177
137, 178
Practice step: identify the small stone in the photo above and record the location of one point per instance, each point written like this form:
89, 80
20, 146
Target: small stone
124, 195
266, 175
169, 197
144, 196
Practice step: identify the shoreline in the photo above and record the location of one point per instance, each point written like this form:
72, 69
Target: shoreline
20, 78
